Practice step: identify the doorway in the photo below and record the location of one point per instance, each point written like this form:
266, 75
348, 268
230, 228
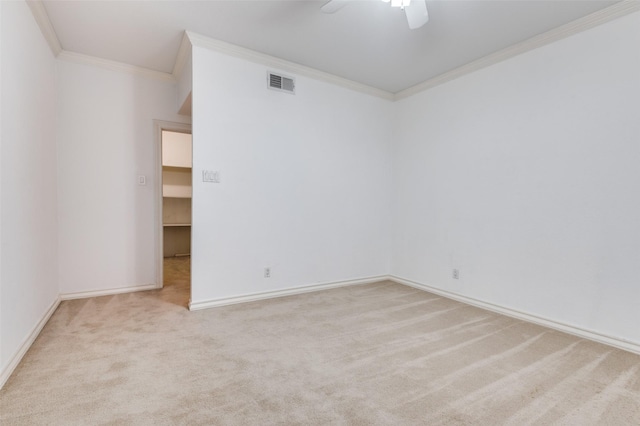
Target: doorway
175, 192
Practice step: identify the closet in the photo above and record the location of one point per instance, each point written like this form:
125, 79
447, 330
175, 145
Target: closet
176, 193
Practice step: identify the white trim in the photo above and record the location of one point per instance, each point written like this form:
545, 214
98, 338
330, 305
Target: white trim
107, 292
182, 57
281, 64
617, 342
79, 58
602, 16
26, 344
42, 18
223, 301
159, 126
189, 39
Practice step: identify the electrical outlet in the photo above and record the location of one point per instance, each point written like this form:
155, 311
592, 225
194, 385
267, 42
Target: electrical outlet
267, 272
455, 274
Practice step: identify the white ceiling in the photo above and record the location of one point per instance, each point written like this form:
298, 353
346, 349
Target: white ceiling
367, 41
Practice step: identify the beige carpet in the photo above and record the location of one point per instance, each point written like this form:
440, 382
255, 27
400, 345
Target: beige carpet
378, 354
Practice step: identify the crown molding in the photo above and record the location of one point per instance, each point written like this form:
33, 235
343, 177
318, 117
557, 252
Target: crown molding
610, 13
184, 52
42, 18
79, 58
292, 67
190, 39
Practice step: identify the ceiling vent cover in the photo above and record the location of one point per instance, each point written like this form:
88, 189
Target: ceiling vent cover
281, 83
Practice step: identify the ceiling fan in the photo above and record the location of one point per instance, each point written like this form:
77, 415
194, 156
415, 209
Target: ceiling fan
416, 10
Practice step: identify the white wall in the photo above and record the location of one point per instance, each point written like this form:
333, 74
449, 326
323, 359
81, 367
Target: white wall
185, 84
526, 177
2, 362
106, 139
28, 279
305, 181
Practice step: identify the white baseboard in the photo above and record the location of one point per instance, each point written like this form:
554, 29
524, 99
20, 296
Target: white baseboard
26, 344
108, 292
212, 303
617, 342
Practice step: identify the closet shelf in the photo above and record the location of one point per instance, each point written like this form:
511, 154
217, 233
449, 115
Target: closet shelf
181, 169
176, 196
176, 224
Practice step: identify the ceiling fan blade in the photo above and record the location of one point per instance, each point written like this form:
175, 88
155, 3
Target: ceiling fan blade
417, 14
333, 6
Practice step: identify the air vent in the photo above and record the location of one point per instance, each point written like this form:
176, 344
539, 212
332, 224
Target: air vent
281, 83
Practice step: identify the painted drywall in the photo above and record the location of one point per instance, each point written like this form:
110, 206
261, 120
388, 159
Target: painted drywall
106, 140
184, 87
524, 176
304, 181
2, 364
28, 279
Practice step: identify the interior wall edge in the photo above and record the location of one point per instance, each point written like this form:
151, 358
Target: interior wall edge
42, 18
184, 53
617, 342
26, 344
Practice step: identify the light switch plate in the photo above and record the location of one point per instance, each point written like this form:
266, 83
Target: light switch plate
142, 180
211, 176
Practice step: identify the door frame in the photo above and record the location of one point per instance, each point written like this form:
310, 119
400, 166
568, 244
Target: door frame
159, 126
